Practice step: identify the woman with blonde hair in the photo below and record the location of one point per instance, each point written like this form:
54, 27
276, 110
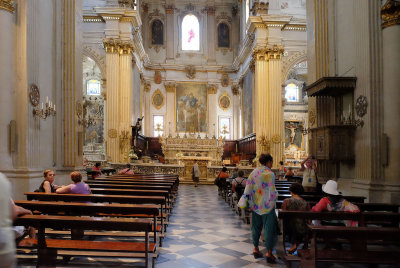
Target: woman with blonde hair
48, 185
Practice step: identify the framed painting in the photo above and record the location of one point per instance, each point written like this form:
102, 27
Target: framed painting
294, 134
191, 107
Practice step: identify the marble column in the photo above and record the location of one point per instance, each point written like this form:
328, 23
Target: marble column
211, 34
125, 98
170, 32
391, 93
268, 101
7, 80
112, 62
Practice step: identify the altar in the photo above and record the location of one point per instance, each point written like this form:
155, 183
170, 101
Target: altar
184, 151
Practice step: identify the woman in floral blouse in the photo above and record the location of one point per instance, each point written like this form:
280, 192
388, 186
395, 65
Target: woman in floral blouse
261, 194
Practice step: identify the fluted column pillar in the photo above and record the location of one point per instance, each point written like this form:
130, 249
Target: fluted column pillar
391, 93
112, 126
170, 32
268, 101
6, 78
211, 34
125, 98
170, 88
236, 111
212, 110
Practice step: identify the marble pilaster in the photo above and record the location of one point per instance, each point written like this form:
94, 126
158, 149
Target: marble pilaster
170, 30
211, 34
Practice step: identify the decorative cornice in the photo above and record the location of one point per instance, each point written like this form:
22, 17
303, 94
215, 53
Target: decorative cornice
210, 10
127, 3
112, 17
235, 89
294, 27
390, 13
126, 47
156, 14
92, 19
267, 53
212, 89
224, 17
7, 5
170, 87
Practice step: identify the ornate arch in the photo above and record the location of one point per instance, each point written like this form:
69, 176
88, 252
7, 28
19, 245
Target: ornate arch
99, 59
291, 61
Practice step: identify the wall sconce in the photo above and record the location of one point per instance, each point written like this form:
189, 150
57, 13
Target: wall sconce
44, 112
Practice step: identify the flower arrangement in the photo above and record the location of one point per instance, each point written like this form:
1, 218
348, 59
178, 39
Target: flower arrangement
132, 155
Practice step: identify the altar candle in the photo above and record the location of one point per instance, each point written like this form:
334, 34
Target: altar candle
47, 99
147, 145
236, 148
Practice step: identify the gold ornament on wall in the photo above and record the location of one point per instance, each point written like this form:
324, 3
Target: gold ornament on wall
190, 71
276, 138
225, 80
112, 133
224, 101
34, 95
157, 77
157, 99
311, 117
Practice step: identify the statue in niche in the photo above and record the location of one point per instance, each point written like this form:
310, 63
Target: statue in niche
157, 34
223, 35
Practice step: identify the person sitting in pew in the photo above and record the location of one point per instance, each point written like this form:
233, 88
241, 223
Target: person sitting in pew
127, 170
48, 185
297, 228
97, 169
239, 184
289, 173
78, 187
333, 201
19, 231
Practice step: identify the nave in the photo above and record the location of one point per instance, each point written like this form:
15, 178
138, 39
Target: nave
205, 232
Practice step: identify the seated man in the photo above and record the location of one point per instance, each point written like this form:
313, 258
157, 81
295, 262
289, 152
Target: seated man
19, 231
127, 170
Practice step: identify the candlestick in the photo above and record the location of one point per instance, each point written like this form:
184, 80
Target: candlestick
236, 148
47, 99
147, 145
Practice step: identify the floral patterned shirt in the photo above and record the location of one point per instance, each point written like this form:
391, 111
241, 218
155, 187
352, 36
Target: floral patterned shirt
260, 190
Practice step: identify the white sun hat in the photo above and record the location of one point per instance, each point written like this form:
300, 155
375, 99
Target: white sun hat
330, 187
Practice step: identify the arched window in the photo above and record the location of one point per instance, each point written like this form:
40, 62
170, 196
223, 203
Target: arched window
292, 93
157, 33
190, 33
223, 35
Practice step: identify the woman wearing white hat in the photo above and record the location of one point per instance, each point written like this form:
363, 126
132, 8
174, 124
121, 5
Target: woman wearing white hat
335, 202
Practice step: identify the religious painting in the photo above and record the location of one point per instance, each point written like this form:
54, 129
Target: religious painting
157, 99
248, 103
157, 77
294, 134
223, 35
191, 107
225, 80
157, 34
224, 101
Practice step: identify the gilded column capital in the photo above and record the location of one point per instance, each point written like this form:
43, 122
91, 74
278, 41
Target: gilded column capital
267, 53
7, 5
252, 65
210, 10
146, 86
126, 47
212, 89
390, 13
127, 3
111, 45
235, 89
170, 87
169, 9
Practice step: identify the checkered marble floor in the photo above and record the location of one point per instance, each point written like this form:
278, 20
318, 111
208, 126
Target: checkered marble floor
205, 232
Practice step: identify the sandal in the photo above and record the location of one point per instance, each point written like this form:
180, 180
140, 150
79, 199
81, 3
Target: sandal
291, 250
257, 255
270, 259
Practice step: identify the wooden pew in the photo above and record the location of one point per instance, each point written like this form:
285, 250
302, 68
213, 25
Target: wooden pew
48, 248
99, 198
364, 219
95, 209
359, 238
316, 198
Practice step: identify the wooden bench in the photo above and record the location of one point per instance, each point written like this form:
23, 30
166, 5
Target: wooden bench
358, 238
48, 248
363, 218
94, 198
95, 209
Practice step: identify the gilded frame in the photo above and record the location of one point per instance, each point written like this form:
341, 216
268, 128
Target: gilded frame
221, 101
153, 99
300, 122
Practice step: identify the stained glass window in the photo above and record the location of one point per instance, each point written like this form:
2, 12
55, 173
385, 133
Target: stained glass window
190, 33
292, 93
93, 87
158, 125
